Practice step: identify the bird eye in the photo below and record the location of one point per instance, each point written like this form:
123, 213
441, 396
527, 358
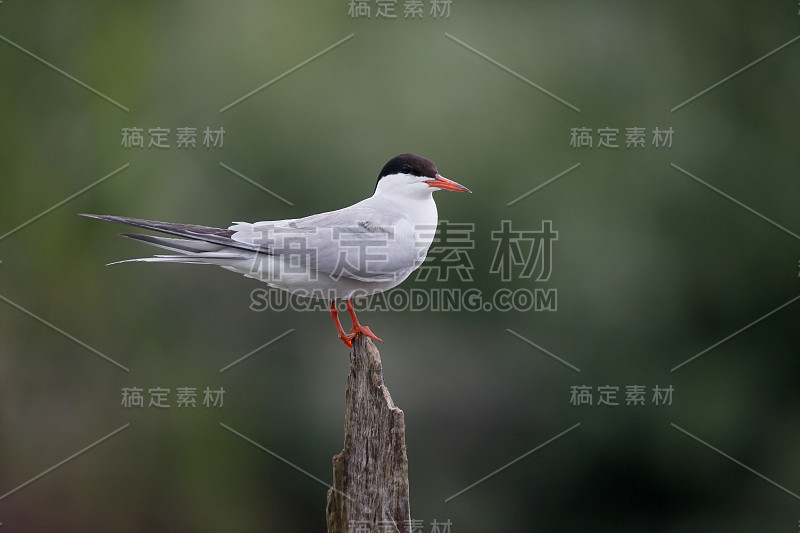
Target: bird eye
406, 169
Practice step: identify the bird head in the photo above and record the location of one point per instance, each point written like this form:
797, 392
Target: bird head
413, 175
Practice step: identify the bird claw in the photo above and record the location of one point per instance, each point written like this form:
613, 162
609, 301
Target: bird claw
358, 329
364, 330
347, 338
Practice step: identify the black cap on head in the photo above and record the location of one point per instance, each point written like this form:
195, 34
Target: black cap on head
409, 164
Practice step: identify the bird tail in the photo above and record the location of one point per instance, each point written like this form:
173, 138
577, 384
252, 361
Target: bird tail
202, 245
190, 252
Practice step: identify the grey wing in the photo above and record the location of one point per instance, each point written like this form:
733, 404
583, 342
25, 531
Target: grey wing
357, 242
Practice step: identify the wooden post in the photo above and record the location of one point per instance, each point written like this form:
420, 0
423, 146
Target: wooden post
370, 475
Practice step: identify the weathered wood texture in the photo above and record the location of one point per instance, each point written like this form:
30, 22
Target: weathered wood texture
370, 475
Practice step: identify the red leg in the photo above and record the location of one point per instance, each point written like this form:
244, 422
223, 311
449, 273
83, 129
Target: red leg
358, 328
347, 338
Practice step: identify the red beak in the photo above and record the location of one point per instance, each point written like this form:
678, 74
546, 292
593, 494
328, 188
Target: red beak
440, 182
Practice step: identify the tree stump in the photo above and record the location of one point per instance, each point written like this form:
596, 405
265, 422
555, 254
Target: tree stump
370, 475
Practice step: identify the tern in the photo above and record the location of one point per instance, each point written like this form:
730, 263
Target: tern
363, 249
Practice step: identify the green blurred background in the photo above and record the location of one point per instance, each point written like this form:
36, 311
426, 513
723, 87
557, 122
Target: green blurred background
651, 266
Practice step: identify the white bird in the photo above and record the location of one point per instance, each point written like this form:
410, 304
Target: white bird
363, 249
